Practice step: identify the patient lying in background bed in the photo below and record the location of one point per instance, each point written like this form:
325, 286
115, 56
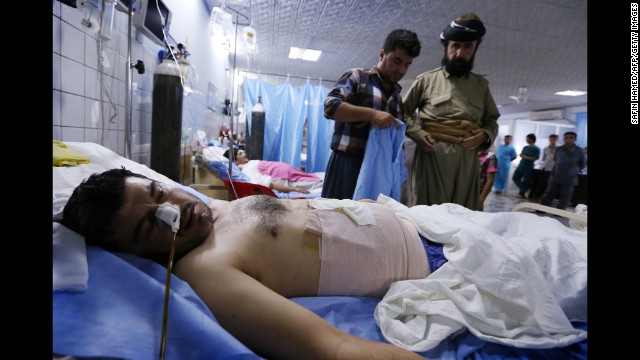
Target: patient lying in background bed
277, 175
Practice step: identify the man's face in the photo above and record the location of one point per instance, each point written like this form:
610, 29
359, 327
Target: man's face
552, 141
507, 140
569, 140
141, 233
394, 64
530, 141
458, 57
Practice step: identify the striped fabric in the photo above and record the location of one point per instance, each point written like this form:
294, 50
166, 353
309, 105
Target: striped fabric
362, 88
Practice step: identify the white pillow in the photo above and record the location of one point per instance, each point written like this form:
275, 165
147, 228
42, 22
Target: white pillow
69, 247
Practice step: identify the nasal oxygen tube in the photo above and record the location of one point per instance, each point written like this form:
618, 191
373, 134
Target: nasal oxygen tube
170, 215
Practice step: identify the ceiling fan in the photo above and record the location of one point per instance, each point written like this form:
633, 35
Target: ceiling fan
522, 95
521, 98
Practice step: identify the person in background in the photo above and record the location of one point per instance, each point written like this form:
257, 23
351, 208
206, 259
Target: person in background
458, 118
545, 169
361, 99
569, 161
257, 171
505, 154
524, 172
488, 169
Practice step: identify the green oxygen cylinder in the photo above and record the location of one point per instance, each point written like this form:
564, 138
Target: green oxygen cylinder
166, 120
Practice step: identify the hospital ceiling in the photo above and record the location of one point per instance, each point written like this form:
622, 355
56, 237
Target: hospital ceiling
540, 44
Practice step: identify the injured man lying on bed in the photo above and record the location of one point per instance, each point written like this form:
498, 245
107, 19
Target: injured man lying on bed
246, 257
276, 175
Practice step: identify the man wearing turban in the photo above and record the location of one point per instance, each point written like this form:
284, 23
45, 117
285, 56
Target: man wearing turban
457, 119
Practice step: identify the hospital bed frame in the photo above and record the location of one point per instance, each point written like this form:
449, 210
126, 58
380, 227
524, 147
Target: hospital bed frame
579, 220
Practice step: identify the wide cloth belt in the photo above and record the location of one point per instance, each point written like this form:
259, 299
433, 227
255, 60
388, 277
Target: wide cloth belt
453, 131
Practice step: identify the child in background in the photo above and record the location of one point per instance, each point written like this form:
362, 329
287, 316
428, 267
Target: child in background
488, 170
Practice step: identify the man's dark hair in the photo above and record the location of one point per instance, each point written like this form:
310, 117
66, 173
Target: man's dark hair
571, 133
553, 136
532, 137
402, 38
92, 207
508, 136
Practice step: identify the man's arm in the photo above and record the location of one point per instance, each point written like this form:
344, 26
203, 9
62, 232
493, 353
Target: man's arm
413, 130
277, 328
349, 113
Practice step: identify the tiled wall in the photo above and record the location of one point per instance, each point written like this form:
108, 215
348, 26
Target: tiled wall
79, 89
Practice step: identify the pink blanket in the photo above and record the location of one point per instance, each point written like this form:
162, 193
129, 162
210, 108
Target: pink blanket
281, 170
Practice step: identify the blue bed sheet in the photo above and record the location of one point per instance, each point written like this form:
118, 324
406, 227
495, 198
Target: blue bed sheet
120, 315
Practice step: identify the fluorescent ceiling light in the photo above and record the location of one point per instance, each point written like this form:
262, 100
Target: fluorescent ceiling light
304, 54
571, 93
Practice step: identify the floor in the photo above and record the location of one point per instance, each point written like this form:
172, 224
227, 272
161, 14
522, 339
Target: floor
507, 200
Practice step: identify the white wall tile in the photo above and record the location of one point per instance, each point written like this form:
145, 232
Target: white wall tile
113, 44
111, 140
122, 116
108, 112
56, 8
92, 135
146, 101
90, 52
72, 76
145, 159
56, 34
120, 67
72, 134
56, 116
120, 143
121, 91
57, 133
146, 121
72, 110
92, 87
123, 43
92, 113
71, 15
137, 99
56, 72
136, 121
72, 43
110, 56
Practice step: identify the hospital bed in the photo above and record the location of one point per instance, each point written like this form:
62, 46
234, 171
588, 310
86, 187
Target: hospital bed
119, 312
211, 170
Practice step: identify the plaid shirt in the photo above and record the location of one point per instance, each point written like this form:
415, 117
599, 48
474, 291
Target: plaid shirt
362, 88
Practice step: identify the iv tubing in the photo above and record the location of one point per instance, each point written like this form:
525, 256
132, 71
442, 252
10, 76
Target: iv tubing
167, 287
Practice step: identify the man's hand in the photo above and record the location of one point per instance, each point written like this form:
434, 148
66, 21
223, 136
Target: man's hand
381, 119
427, 144
475, 140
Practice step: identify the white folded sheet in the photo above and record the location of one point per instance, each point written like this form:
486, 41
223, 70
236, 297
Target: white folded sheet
511, 278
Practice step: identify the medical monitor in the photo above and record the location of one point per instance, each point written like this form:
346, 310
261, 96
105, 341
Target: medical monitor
147, 19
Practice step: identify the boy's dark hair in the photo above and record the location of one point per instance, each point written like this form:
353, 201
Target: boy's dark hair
553, 136
532, 137
235, 153
571, 133
402, 38
92, 207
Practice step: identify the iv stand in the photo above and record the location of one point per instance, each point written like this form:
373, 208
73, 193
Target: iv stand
227, 103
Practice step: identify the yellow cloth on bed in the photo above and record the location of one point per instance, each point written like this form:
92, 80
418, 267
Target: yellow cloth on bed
63, 156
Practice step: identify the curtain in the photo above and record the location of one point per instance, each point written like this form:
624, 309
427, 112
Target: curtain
285, 115
319, 131
581, 129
